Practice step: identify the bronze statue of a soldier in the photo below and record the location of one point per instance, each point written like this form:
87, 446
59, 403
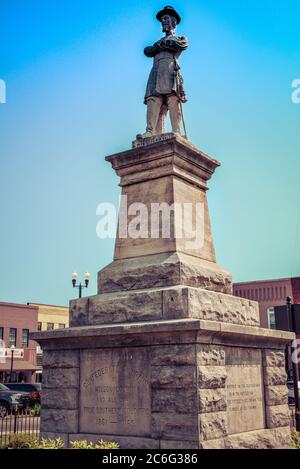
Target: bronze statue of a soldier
165, 90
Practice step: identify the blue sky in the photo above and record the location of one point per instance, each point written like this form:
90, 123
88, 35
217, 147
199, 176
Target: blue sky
76, 74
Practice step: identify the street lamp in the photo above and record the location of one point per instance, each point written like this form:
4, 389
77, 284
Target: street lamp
80, 286
12, 351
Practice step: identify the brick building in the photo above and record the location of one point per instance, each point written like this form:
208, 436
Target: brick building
269, 293
16, 323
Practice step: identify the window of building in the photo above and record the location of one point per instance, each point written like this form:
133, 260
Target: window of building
61, 326
12, 337
25, 337
1, 333
50, 326
271, 318
39, 326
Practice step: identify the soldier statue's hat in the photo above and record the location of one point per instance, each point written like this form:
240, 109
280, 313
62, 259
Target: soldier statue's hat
168, 10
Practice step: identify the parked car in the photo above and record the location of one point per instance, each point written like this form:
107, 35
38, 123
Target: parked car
34, 390
10, 401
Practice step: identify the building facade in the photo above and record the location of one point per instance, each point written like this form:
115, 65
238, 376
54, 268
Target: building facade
269, 293
16, 323
49, 318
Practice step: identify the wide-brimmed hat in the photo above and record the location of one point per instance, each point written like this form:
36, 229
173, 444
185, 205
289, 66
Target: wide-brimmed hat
168, 10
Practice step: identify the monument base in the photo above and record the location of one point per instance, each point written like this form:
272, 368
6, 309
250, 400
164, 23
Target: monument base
172, 384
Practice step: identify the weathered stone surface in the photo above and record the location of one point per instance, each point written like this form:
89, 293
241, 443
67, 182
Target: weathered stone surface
173, 355
275, 376
218, 307
164, 303
61, 398
115, 392
117, 308
212, 400
244, 390
141, 306
180, 427
124, 442
163, 270
79, 310
173, 377
210, 355
61, 377
176, 303
277, 416
177, 401
179, 444
62, 421
213, 426
274, 358
68, 359
279, 438
276, 395
213, 444
211, 377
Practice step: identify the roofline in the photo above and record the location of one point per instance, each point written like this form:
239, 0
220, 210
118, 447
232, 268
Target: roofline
287, 279
51, 306
19, 305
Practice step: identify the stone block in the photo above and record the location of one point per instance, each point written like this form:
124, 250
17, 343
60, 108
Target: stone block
176, 303
212, 400
56, 359
213, 444
277, 416
275, 376
173, 377
213, 306
79, 310
274, 358
279, 438
59, 421
60, 398
178, 401
213, 426
276, 395
61, 378
163, 270
178, 427
211, 377
128, 307
173, 355
210, 355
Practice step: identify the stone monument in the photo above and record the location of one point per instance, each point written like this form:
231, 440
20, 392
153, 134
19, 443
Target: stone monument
164, 356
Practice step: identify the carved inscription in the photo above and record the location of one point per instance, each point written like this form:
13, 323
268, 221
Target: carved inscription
115, 392
244, 390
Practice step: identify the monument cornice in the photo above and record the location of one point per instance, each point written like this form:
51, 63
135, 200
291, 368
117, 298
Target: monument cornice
167, 156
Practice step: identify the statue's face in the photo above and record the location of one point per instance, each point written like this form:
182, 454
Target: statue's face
168, 23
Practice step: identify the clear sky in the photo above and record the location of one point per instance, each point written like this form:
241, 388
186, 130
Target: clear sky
76, 74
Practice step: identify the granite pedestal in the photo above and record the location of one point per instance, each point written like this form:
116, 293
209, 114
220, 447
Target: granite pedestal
164, 356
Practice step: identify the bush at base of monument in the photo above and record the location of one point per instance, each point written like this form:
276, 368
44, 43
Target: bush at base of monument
23, 441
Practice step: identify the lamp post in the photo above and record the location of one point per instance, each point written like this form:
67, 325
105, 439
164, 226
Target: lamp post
12, 351
80, 286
